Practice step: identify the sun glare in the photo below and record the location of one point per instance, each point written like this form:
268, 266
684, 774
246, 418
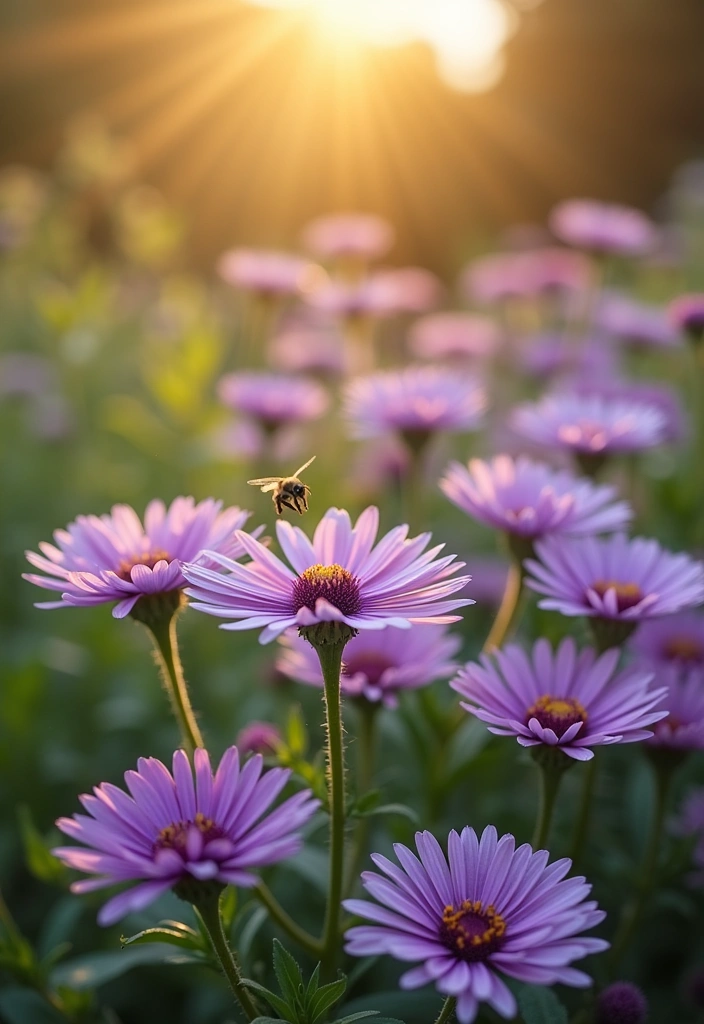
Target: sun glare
466, 36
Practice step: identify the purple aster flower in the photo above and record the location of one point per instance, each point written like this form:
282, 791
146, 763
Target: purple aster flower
410, 289
259, 738
268, 274
590, 426
621, 1003
338, 577
662, 397
687, 314
637, 325
616, 578
530, 499
307, 348
379, 664
274, 399
574, 701
454, 336
521, 275
361, 236
603, 227
98, 559
683, 700
171, 834
374, 296
416, 400
488, 908
672, 640
556, 355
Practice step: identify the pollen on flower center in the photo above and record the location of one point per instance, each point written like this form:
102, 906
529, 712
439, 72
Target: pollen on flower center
627, 594
175, 836
556, 713
684, 648
472, 932
335, 584
150, 558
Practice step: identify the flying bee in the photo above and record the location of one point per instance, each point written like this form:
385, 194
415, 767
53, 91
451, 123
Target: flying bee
288, 490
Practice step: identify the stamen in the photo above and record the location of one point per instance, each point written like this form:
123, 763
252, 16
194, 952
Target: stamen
472, 932
684, 648
332, 582
556, 713
150, 559
627, 594
174, 836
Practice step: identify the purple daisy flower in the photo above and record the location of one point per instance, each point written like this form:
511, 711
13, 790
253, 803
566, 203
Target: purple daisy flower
98, 559
415, 400
686, 313
362, 236
454, 336
338, 577
268, 274
486, 908
317, 349
259, 738
615, 578
603, 227
590, 426
555, 355
565, 699
379, 664
169, 831
529, 499
636, 324
274, 399
683, 703
672, 640
374, 296
411, 289
662, 397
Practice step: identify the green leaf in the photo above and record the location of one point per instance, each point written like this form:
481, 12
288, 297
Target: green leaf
228, 907
182, 936
541, 1006
276, 1002
321, 1001
96, 969
289, 976
357, 1016
248, 934
400, 809
366, 803
40, 861
270, 1020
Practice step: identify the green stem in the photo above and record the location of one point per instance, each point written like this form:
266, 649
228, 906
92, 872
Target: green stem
286, 923
550, 778
585, 811
365, 778
169, 662
330, 655
208, 910
446, 1011
634, 912
507, 614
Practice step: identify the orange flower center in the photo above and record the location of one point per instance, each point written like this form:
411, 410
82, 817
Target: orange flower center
471, 931
556, 713
150, 558
627, 594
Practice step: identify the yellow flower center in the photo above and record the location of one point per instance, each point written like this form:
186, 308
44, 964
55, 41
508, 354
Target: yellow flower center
556, 713
471, 931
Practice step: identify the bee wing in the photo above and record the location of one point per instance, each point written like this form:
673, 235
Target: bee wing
267, 483
304, 467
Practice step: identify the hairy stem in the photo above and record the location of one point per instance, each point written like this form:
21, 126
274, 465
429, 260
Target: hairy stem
169, 662
209, 912
446, 1011
330, 655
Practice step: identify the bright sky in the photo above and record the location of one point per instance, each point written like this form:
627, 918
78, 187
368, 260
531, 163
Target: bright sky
466, 36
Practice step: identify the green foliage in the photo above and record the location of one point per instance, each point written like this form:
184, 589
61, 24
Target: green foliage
541, 1006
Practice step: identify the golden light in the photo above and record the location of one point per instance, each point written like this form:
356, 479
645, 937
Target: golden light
466, 36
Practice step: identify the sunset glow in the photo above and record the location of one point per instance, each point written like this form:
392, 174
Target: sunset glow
466, 36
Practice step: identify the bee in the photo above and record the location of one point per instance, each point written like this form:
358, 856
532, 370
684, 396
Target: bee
288, 490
